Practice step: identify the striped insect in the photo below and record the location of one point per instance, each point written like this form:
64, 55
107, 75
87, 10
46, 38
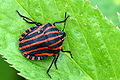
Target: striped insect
41, 41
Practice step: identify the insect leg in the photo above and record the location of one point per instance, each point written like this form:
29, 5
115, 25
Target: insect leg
30, 20
65, 21
50, 66
67, 52
62, 20
56, 61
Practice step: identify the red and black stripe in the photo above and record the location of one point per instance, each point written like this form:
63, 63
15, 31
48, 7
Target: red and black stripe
37, 43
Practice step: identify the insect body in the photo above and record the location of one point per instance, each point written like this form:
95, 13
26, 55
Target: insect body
41, 41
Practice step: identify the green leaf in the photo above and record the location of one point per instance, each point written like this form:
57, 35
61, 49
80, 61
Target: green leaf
93, 40
109, 8
118, 14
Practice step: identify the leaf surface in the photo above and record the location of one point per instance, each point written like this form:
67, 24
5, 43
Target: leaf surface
93, 40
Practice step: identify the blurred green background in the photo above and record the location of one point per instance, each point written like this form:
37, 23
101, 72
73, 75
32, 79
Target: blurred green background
109, 8
6, 72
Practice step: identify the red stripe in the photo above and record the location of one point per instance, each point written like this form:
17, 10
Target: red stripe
33, 58
35, 50
51, 32
42, 49
49, 54
37, 36
25, 33
21, 37
28, 56
39, 42
56, 48
49, 28
55, 43
29, 29
38, 29
38, 58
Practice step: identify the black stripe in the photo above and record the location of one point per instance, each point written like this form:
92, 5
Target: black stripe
34, 34
45, 51
25, 55
42, 45
20, 39
36, 58
34, 28
43, 57
51, 29
43, 37
30, 57
48, 24
57, 45
38, 33
41, 30
27, 31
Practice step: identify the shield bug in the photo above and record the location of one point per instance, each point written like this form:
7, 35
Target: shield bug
43, 40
